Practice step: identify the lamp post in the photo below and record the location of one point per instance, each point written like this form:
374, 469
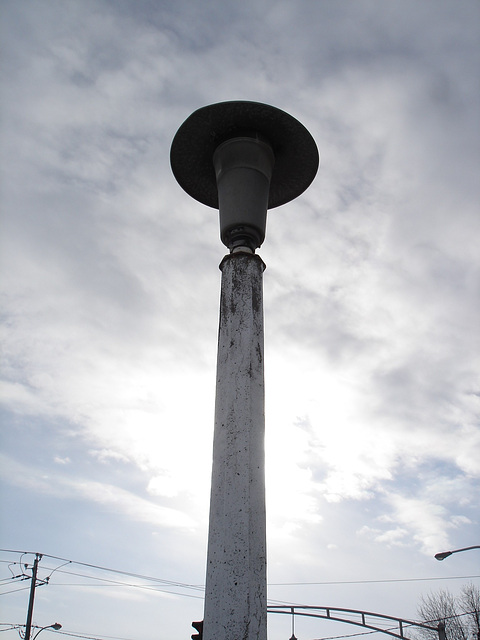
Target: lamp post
242, 158
444, 554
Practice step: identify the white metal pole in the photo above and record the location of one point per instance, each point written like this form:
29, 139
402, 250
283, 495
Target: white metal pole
235, 598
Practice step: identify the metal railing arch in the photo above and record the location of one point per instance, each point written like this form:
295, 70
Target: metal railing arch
366, 619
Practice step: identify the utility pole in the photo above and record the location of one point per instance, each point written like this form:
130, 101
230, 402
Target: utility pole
242, 158
28, 626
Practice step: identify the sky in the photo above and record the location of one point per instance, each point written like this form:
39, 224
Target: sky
110, 296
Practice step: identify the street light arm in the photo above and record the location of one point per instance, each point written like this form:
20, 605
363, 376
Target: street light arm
444, 554
55, 625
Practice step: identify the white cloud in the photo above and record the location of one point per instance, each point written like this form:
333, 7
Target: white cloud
119, 501
107, 455
163, 486
425, 519
111, 282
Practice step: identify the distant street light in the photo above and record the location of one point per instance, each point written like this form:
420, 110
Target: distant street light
444, 554
55, 625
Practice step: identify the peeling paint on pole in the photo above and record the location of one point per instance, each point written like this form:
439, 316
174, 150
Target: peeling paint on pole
235, 599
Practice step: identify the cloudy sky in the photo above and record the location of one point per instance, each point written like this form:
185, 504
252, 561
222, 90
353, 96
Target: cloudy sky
110, 289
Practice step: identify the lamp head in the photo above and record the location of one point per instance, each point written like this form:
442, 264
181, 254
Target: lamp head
243, 158
443, 555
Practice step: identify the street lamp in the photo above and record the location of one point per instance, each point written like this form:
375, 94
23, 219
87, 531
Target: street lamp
444, 554
55, 625
241, 158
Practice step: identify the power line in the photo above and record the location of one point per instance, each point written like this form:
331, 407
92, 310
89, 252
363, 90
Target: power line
12, 627
349, 635
271, 584
455, 615
152, 589
118, 571
293, 584
126, 584
123, 584
115, 582
14, 579
78, 635
14, 591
